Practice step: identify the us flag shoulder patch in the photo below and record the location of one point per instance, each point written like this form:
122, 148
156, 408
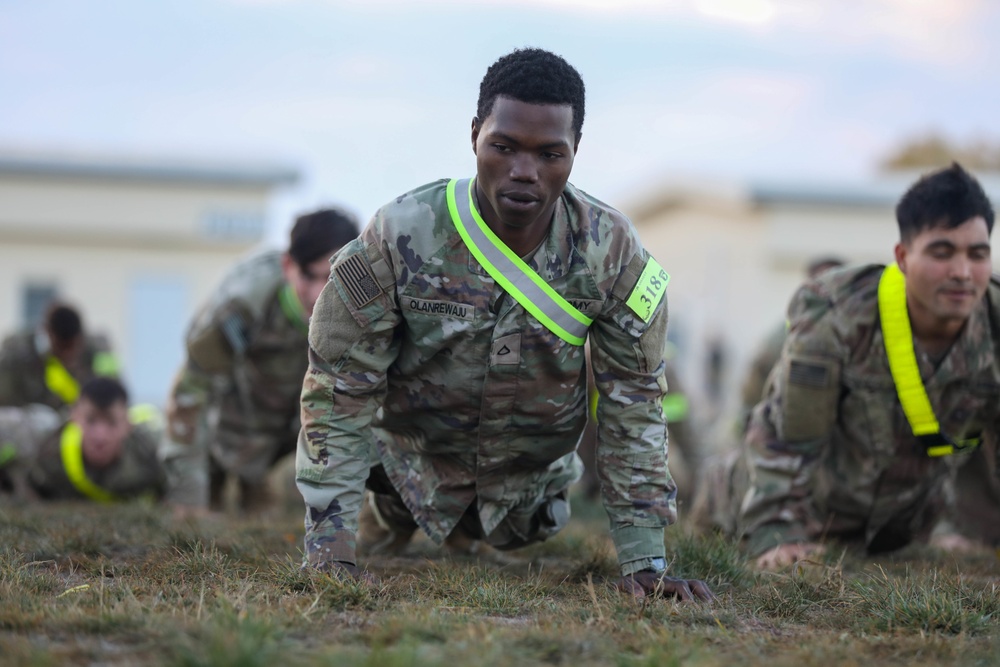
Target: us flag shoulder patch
357, 278
808, 374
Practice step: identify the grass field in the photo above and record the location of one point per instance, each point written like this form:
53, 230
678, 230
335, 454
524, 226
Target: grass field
126, 585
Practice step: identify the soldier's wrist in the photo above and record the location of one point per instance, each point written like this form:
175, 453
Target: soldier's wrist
658, 564
335, 546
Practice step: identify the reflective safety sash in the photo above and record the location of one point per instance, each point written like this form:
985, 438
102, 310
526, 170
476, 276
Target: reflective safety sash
105, 365
8, 452
675, 407
293, 308
898, 338
511, 272
59, 380
71, 450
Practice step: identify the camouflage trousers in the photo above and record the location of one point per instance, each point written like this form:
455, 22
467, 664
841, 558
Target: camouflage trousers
724, 484
212, 434
517, 530
975, 508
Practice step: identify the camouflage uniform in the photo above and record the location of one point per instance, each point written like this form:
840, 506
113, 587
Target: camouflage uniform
234, 406
420, 362
679, 432
21, 429
829, 451
22, 368
763, 361
136, 473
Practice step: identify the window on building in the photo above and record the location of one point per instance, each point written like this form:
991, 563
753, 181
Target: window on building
35, 298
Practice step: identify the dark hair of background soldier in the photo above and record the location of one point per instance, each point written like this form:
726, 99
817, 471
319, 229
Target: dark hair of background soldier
63, 323
318, 234
948, 197
104, 392
534, 76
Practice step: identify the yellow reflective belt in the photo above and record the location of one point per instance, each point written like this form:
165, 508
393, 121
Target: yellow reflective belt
511, 272
898, 338
60, 382
293, 308
71, 449
105, 365
145, 413
675, 407
8, 452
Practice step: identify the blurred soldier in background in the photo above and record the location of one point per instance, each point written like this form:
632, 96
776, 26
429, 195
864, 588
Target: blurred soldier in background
99, 454
47, 366
888, 381
234, 406
769, 352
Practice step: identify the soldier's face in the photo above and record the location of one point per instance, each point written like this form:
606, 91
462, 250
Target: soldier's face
104, 431
524, 155
947, 271
307, 282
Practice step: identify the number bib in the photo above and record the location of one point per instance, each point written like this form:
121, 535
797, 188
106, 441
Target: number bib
648, 290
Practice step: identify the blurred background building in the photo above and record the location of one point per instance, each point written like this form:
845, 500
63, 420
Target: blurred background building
134, 245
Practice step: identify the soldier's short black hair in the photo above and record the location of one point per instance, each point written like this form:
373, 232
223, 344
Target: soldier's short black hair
947, 197
63, 323
534, 76
104, 392
319, 234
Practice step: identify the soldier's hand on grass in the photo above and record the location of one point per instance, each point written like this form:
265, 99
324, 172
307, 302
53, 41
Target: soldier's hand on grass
784, 555
344, 570
658, 584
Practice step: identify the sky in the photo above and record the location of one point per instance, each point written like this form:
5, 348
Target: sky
369, 99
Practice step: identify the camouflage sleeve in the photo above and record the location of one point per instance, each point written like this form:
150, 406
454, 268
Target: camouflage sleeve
639, 493
183, 447
352, 344
46, 474
145, 440
10, 378
791, 427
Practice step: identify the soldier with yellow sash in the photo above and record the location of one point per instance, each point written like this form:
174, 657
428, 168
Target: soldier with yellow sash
48, 366
888, 382
447, 371
233, 410
104, 453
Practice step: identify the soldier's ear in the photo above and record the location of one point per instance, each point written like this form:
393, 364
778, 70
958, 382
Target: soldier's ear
900, 253
475, 133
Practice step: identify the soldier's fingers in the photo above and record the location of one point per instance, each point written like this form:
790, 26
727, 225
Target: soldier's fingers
675, 587
630, 585
701, 590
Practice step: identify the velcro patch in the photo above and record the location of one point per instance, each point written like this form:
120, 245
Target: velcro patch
234, 328
358, 279
806, 374
648, 290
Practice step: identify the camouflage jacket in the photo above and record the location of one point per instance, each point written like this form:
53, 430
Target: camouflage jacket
829, 450
764, 359
421, 362
21, 429
22, 368
246, 357
136, 473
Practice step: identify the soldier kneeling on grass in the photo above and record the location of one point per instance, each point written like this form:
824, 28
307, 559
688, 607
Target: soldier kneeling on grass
104, 452
887, 389
458, 398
